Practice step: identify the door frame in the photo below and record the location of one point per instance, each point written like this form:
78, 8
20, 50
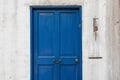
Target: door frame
32, 8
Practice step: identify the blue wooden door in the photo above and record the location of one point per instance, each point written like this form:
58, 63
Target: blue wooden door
57, 50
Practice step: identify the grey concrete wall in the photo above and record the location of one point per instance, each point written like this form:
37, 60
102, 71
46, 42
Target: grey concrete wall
15, 38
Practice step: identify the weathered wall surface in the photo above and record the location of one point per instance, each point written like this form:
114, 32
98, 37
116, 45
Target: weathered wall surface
113, 39
15, 38
94, 69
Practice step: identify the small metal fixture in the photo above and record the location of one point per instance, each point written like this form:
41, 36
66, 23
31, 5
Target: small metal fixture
76, 60
95, 27
95, 57
57, 62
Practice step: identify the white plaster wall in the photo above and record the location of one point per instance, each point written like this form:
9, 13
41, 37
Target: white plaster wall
15, 38
113, 39
94, 69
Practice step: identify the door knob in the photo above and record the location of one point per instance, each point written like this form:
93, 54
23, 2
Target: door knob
76, 60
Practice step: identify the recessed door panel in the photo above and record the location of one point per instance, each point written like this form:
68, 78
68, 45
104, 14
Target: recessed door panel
67, 24
45, 72
46, 26
68, 72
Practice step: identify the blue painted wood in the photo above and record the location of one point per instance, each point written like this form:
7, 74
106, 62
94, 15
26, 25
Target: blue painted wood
56, 34
31, 44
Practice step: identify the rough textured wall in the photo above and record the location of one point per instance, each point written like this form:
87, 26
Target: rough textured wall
113, 39
94, 69
15, 38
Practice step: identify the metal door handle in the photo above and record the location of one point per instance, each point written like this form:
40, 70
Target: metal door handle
54, 60
76, 60
60, 60
57, 62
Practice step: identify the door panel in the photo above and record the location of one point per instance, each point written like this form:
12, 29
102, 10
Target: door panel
45, 45
68, 72
45, 72
57, 44
69, 35
45, 33
69, 45
67, 24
